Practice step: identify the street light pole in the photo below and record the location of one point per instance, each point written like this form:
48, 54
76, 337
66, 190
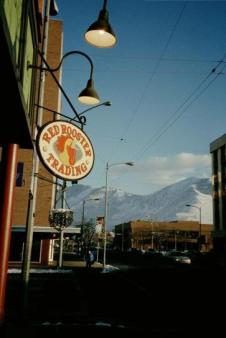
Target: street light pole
106, 205
105, 214
61, 237
83, 215
200, 221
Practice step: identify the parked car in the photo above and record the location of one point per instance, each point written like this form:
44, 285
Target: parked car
178, 257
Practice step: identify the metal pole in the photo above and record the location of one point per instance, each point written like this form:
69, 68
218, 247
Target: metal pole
9, 162
105, 216
35, 167
61, 233
106, 207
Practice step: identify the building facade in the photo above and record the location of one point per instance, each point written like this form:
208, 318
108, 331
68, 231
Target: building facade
45, 196
218, 155
161, 236
20, 38
25, 30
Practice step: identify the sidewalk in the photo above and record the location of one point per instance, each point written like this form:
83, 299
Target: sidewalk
15, 268
75, 264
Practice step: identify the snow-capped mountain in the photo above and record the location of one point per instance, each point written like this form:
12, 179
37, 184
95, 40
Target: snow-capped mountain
166, 204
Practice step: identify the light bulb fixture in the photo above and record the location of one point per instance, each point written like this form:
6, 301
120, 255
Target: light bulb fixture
100, 33
89, 95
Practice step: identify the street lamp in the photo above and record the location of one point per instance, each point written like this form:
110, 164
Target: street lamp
87, 96
106, 202
200, 220
83, 215
100, 33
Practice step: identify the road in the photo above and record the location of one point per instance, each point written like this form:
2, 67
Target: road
161, 301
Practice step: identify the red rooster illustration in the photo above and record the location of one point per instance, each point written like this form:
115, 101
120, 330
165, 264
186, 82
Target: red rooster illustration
66, 150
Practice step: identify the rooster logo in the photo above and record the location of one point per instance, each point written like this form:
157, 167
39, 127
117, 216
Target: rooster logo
66, 150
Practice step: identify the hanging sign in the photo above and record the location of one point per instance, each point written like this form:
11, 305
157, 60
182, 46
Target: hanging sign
65, 150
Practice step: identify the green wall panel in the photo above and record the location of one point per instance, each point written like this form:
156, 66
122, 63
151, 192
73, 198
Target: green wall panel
28, 59
13, 14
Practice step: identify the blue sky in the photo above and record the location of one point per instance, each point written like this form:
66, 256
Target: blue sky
166, 79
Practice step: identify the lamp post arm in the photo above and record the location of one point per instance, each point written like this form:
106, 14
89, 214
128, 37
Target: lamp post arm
118, 163
79, 119
49, 69
71, 53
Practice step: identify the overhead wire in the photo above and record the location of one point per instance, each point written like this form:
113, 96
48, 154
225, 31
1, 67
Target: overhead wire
171, 122
178, 113
152, 75
122, 137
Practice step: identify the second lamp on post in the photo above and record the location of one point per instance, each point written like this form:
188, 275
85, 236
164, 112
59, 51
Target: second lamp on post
108, 166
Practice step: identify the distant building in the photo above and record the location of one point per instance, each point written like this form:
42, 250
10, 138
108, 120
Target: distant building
179, 235
218, 153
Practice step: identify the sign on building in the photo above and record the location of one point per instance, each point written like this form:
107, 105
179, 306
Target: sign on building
65, 150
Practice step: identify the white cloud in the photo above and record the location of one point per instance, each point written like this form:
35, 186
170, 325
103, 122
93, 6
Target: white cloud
162, 171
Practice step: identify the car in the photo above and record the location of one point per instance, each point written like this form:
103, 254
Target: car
178, 257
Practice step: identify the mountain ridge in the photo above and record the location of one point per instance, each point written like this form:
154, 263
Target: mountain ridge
167, 204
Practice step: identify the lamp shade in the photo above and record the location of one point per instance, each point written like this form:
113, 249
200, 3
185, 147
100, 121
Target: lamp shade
89, 95
100, 33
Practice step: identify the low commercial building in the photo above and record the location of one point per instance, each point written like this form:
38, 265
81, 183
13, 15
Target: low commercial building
178, 235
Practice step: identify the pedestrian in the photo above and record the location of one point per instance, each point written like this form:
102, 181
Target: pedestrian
89, 259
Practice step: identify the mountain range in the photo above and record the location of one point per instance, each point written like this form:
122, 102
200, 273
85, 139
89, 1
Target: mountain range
167, 204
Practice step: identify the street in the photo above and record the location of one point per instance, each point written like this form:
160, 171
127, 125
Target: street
159, 300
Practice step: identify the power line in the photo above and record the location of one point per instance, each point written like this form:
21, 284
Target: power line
178, 113
154, 72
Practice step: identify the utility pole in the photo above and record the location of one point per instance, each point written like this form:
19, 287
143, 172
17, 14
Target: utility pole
61, 231
35, 169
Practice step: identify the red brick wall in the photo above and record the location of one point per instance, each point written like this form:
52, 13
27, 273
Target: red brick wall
44, 193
